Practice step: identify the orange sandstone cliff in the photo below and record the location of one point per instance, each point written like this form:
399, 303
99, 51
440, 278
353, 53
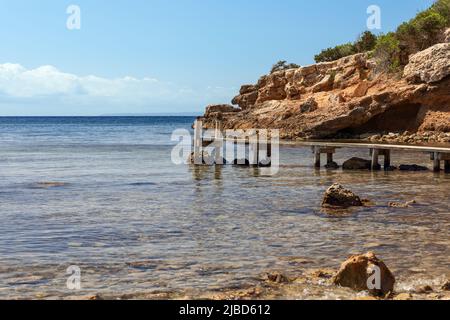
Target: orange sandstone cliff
347, 98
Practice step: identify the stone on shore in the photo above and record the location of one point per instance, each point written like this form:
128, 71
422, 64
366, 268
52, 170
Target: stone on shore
338, 196
357, 271
403, 297
357, 164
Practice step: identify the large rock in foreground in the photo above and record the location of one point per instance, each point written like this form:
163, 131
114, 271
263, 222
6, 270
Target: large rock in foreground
338, 196
356, 271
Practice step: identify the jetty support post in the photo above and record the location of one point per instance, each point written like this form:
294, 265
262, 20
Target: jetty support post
264, 148
437, 162
446, 158
198, 142
253, 148
375, 154
317, 150
387, 159
218, 144
316, 157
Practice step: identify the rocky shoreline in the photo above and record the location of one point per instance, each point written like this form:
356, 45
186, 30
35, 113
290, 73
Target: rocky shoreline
306, 284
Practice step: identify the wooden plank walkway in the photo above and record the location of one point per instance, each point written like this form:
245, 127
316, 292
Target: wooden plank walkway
437, 154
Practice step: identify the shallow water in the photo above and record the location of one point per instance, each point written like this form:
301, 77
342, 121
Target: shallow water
134, 222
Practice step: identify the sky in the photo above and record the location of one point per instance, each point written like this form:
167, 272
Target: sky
164, 56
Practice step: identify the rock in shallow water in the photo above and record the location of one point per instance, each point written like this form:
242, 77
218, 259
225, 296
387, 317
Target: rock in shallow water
47, 185
414, 167
356, 271
338, 196
401, 205
357, 164
332, 166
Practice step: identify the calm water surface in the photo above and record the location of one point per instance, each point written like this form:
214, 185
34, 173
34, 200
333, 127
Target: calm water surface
135, 222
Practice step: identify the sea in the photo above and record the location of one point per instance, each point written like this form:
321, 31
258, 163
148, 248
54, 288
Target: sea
95, 205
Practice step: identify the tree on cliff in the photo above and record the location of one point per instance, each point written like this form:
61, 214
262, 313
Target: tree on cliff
283, 65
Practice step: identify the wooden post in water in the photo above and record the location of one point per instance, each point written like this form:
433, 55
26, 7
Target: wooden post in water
375, 154
436, 162
317, 157
387, 159
329, 158
218, 144
198, 143
253, 150
447, 166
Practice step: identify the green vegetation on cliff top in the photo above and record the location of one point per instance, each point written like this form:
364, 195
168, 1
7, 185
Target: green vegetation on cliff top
391, 51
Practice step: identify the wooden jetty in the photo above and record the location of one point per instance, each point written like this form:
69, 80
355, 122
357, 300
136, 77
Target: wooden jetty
437, 154
253, 137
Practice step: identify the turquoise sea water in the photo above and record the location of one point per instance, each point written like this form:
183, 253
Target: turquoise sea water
135, 222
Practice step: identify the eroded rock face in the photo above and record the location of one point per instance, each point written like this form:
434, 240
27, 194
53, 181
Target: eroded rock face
338, 196
430, 65
220, 108
356, 271
347, 95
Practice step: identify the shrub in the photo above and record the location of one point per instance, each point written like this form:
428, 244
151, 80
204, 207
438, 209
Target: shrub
387, 53
283, 65
443, 8
332, 54
425, 29
366, 42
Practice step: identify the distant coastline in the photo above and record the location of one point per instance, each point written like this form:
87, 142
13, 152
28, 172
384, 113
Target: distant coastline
181, 114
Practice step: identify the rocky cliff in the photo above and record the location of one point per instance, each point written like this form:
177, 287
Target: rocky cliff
347, 98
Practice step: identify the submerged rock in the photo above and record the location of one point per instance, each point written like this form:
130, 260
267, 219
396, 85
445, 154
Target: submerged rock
413, 167
357, 164
46, 185
446, 286
332, 166
401, 205
338, 196
275, 277
357, 270
205, 159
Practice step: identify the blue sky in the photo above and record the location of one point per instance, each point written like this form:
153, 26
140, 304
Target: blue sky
144, 56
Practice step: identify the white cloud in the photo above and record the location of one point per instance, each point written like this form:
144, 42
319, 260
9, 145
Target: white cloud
47, 83
17, 81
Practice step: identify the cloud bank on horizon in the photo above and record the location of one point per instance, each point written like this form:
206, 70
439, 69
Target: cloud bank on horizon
51, 86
